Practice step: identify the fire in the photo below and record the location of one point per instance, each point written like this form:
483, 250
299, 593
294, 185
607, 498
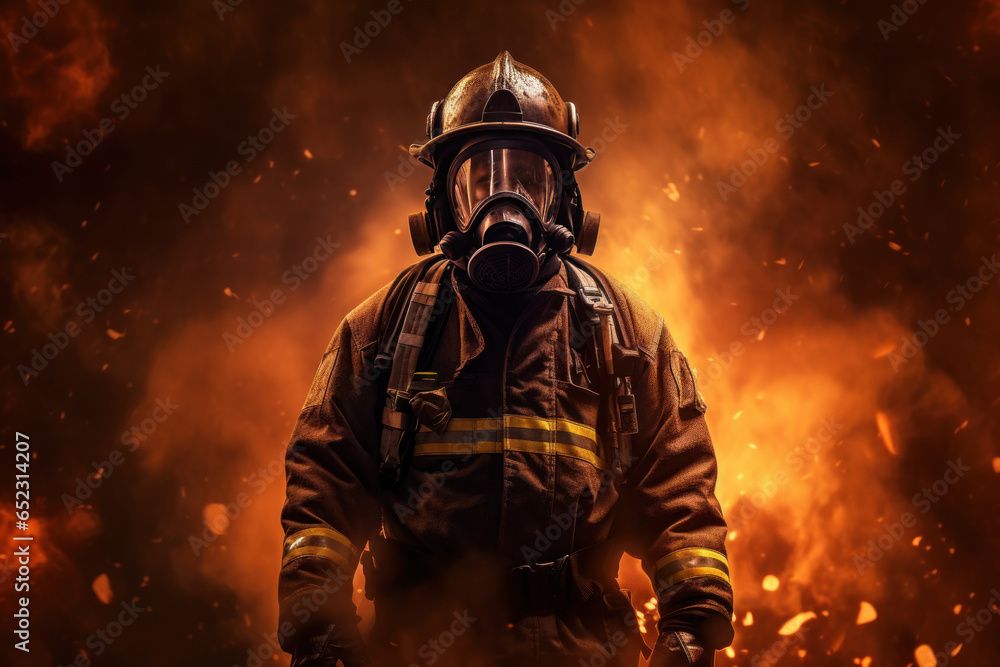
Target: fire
821, 442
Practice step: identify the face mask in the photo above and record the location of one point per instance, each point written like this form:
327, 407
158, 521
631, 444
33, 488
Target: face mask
504, 201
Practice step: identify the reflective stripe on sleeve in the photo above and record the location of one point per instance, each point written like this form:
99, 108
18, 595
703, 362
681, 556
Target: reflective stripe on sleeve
683, 564
320, 542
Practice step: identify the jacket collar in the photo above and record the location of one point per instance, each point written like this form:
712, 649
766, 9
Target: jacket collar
470, 335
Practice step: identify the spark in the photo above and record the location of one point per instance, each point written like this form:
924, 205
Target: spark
866, 614
672, 193
925, 656
793, 624
885, 430
102, 589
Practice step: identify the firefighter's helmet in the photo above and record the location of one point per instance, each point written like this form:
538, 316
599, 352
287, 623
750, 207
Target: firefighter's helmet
503, 112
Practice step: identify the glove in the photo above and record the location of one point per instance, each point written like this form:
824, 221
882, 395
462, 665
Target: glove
680, 649
335, 647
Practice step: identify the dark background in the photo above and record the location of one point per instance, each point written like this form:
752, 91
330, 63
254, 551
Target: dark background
340, 171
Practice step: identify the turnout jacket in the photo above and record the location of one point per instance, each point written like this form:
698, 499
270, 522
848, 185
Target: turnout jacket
510, 467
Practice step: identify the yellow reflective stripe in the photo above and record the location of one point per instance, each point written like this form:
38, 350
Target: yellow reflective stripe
544, 447
581, 453
325, 532
429, 443
678, 577
492, 447
529, 446
544, 424
515, 421
448, 448
690, 552
464, 424
321, 552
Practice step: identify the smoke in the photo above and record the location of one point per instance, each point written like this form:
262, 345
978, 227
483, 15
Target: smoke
733, 150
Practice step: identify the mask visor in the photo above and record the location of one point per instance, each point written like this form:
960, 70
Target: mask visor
497, 170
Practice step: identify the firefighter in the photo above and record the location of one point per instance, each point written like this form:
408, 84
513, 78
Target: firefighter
488, 434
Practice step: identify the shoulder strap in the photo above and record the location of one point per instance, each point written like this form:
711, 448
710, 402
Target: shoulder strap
584, 274
394, 308
616, 357
405, 349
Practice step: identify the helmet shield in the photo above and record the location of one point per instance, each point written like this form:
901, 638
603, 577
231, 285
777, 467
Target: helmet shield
481, 175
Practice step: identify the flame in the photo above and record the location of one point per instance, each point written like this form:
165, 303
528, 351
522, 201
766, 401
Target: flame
804, 478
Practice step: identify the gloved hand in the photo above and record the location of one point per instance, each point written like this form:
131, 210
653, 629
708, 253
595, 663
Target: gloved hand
336, 647
680, 649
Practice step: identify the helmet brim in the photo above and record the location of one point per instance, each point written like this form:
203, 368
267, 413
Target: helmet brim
579, 156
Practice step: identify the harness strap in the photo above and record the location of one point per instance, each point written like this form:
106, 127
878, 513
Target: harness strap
397, 420
616, 359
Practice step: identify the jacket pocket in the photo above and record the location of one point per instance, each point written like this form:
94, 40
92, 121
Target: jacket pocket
577, 412
577, 404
